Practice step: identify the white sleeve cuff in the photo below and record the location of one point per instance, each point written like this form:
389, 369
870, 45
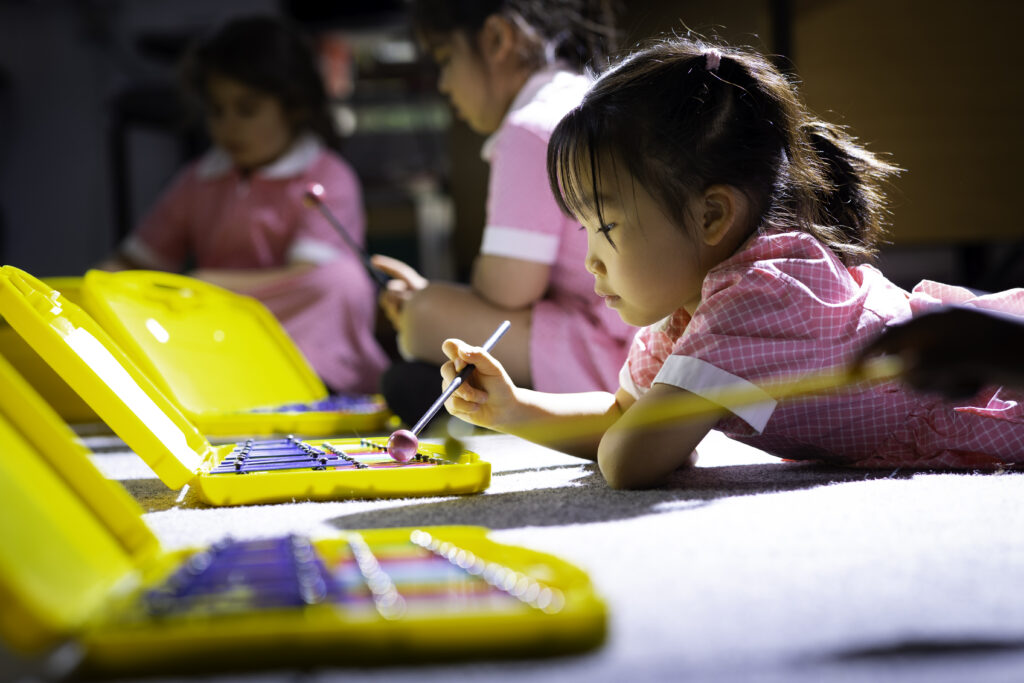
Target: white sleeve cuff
517, 243
312, 251
626, 381
704, 379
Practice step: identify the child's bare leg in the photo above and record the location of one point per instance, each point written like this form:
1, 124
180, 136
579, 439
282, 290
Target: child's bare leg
445, 310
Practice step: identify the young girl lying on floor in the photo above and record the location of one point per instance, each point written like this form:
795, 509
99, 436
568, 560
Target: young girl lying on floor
728, 221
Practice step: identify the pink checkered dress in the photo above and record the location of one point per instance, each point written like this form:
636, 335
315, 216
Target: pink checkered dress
785, 306
221, 220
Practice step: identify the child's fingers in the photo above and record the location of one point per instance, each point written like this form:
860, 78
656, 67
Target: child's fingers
463, 354
390, 298
459, 406
448, 372
396, 287
454, 349
389, 265
399, 270
467, 391
391, 303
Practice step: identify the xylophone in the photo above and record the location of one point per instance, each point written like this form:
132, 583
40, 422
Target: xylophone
221, 356
294, 453
389, 574
348, 403
371, 596
152, 425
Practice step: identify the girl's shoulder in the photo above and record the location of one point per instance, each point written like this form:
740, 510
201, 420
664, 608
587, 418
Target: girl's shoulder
781, 252
214, 163
780, 246
546, 98
783, 264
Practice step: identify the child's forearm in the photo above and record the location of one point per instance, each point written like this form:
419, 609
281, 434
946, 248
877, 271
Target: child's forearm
509, 284
571, 423
244, 279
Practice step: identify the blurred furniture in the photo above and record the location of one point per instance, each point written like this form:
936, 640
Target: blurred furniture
897, 74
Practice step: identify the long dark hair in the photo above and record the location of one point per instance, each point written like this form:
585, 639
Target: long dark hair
269, 55
579, 32
681, 115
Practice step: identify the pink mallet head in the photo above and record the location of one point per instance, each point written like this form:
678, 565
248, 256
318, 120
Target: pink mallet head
313, 194
402, 445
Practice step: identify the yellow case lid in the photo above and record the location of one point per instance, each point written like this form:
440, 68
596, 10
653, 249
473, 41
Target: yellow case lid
67, 534
78, 349
213, 350
62, 398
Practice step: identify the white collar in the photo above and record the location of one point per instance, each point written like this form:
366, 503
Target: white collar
534, 84
299, 157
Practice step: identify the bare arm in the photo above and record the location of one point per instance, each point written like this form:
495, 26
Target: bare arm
571, 423
509, 283
645, 445
121, 261
424, 313
243, 280
239, 280
637, 444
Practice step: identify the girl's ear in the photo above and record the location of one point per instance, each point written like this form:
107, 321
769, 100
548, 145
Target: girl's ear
497, 40
725, 213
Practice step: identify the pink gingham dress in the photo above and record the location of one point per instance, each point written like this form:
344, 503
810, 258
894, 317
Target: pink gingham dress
576, 342
214, 217
785, 306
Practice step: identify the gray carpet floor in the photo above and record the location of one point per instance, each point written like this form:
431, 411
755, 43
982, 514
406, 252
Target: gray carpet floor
746, 569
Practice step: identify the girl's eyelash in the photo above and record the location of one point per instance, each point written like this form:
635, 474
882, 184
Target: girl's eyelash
604, 230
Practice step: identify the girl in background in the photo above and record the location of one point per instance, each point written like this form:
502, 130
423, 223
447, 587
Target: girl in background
237, 217
730, 223
512, 69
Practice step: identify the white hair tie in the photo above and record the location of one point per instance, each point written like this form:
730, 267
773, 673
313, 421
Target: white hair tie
712, 58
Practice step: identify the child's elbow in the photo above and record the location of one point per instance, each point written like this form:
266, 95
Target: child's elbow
622, 472
623, 480
631, 459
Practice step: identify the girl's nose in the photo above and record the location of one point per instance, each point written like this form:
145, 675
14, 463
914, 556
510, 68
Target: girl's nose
594, 265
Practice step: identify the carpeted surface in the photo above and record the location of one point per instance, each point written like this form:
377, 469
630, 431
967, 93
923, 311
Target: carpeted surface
746, 569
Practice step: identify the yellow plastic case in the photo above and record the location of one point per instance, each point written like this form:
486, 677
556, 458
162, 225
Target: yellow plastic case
221, 355
78, 565
79, 350
57, 393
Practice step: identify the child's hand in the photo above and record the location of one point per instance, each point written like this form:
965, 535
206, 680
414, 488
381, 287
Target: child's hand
404, 282
487, 397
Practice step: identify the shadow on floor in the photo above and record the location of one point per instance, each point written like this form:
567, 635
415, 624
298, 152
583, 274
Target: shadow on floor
589, 500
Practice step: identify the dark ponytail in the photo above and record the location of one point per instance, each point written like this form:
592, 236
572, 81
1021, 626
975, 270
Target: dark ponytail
850, 205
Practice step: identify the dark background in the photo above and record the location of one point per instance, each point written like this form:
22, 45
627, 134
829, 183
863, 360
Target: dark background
90, 129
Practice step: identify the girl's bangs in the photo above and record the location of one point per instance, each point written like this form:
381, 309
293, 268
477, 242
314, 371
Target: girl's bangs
573, 166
